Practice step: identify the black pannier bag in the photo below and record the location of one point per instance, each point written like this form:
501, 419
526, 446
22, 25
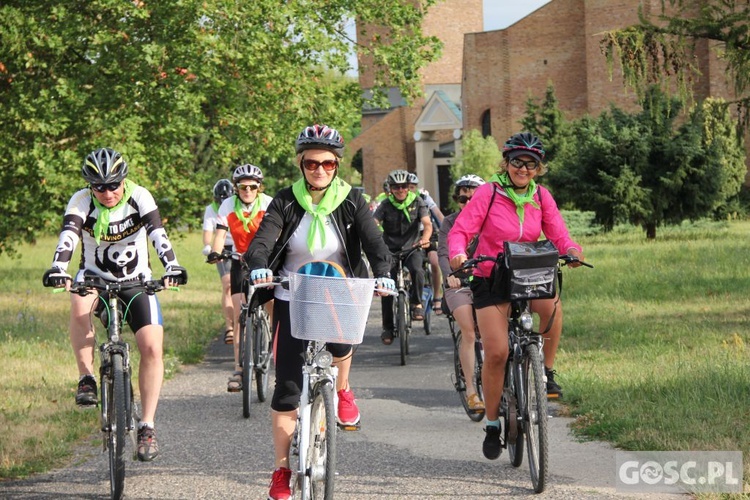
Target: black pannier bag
526, 271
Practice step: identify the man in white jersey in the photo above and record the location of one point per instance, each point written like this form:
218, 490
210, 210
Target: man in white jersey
112, 218
222, 190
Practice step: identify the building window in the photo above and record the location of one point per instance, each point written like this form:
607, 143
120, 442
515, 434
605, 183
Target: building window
486, 124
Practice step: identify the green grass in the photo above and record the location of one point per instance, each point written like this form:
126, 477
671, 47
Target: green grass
654, 354
39, 423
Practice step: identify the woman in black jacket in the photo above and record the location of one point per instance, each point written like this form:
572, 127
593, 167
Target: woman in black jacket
318, 218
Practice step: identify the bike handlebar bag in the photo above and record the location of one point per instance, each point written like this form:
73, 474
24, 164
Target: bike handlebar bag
526, 271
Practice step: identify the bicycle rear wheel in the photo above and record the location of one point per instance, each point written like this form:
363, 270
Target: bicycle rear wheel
536, 419
402, 312
262, 353
246, 359
321, 455
117, 417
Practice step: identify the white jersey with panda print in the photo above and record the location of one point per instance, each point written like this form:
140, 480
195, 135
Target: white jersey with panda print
123, 252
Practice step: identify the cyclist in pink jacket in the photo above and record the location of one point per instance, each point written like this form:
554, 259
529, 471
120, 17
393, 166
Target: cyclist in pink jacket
511, 207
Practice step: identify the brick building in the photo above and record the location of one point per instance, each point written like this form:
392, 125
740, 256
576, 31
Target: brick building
557, 44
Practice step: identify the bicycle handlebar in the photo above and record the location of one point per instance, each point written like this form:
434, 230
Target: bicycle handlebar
90, 283
473, 262
284, 282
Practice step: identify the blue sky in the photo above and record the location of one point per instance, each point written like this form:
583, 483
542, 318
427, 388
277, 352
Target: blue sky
499, 14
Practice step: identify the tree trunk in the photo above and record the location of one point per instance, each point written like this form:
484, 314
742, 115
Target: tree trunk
650, 228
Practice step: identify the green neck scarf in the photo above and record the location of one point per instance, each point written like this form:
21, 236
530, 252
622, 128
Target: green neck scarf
335, 194
239, 211
519, 199
101, 226
215, 206
403, 206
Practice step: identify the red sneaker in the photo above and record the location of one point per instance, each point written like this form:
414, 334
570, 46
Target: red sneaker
348, 413
279, 489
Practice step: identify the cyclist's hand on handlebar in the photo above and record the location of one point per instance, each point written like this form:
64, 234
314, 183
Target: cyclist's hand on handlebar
578, 255
453, 281
213, 257
175, 276
384, 283
422, 243
458, 261
56, 278
261, 276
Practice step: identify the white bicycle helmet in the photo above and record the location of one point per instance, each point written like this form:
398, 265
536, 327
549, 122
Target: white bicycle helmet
470, 181
412, 178
247, 172
398, 177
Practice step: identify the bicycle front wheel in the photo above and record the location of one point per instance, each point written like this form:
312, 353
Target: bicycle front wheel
513, 431
402, 312
246, 358
321, 455
117, 417
262, 353
536, 419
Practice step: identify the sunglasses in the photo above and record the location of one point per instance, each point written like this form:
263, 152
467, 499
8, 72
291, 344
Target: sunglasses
110, 186
463, 199
312, 165
247, 187
399, 187
529, 164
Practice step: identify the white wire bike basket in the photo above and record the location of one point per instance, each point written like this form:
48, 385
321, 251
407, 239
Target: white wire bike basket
329, 309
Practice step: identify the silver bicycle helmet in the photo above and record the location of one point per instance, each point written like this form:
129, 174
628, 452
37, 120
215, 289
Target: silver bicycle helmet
104, 166
398, 177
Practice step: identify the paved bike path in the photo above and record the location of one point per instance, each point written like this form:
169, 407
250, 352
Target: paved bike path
416, 441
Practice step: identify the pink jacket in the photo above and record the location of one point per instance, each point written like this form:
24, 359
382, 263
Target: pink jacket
502, 225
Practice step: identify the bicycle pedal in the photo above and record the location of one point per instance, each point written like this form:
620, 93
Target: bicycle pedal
348, 427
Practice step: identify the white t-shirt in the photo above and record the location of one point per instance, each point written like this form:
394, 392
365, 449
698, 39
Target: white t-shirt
297, 253
210, 218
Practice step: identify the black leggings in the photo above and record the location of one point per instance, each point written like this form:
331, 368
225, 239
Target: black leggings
288, 358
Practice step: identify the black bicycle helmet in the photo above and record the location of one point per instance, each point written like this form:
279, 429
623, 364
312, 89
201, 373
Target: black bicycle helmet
222, 190
320, 137
524, 143
104, 166
398, 177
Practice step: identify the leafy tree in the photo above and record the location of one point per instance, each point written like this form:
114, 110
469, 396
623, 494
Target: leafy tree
660, 49
185, 90
481, 156
545, 120
644, 169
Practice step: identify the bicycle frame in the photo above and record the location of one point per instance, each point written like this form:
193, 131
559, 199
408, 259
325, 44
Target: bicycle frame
316, 370
118, 411
114, 345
